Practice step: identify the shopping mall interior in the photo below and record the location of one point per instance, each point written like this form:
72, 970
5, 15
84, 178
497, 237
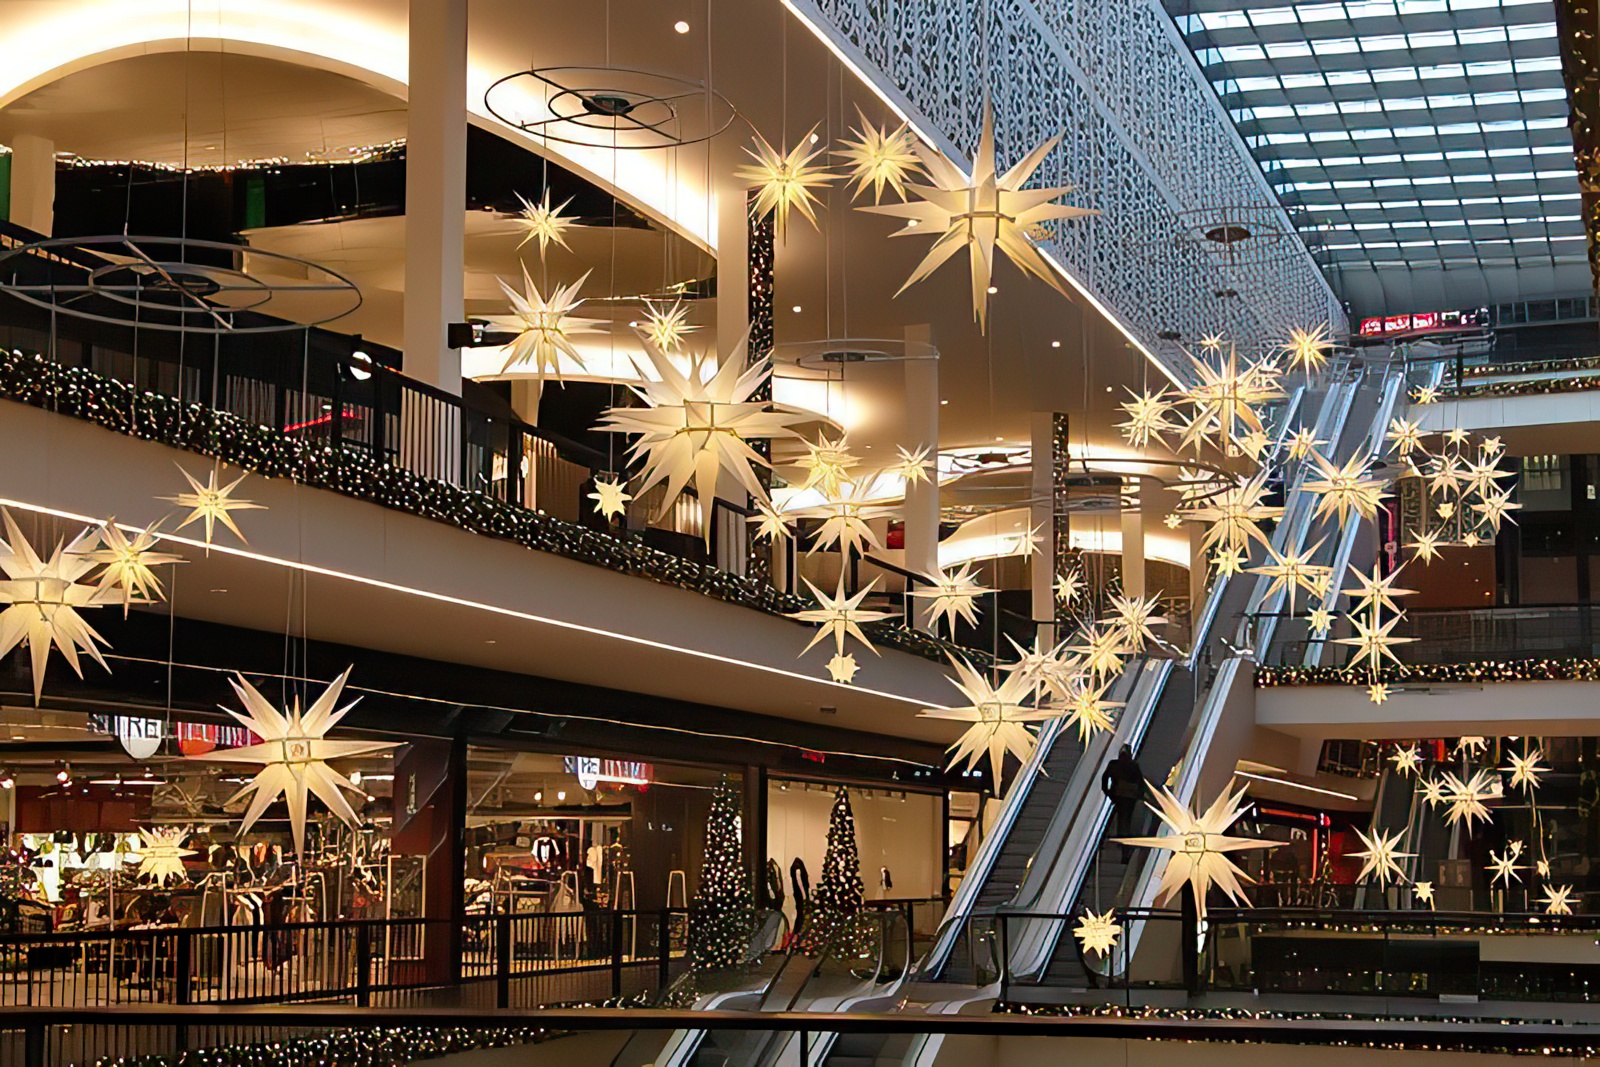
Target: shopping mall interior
798, 533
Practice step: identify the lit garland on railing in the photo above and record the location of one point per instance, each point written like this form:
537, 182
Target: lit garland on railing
1531, 366
33, 380
1516, 670
376, 1047
1527, 387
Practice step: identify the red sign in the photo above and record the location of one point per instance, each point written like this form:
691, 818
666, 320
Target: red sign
1396, 323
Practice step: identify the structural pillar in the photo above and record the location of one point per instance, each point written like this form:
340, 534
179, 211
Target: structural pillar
436, 190
922, 431
1198, 571
1133, 583
33, 183
1043, 439
430, 808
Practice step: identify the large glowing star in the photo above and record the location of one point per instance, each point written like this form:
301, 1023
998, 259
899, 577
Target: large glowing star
981, 214
880, 158
1200, 845
293, 754
839, 616
130, 563
546, 328
540, 222
42, 597
211, 504
1381, 857
699, 422
161, 855
785, 181
998, 714
953, 594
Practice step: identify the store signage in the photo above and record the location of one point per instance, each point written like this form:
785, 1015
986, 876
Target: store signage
198, 738
1424, 321
140, 737
592, 770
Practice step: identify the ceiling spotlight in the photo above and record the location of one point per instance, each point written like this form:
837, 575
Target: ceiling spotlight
360, 365
1055, 344
993, 290
681, 26
943, 402
795, 309
538, 798
561, 795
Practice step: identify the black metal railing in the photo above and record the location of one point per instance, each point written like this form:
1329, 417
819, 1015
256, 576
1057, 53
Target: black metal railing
1473, 635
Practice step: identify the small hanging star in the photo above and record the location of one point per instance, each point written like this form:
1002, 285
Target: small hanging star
1543, 867
211, 504
543, 223
1172, 520
1377, 692
1406, 760
1382, 856
1433, 793
1068, 585
1471, 540
1505, 868
914, 467
1456, 437
1405, 435
842, 668
1525, 770
1228, 561
786, 180
1307, 348
1319, 620
1303, 442
880, 158
1490, 446
1424, 394
1098, 933
610, 497
1426, 546
770, 523
667, 326
1424, 892
839, 616
1557, 900
129, 564
1471, 746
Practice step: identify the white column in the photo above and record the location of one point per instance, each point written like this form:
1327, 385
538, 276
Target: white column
922, 431
1043, 492
436, 189
1133, 583
733, 267
33, 182
1198, 570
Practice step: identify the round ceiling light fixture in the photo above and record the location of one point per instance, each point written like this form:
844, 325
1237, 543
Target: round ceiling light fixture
610, 107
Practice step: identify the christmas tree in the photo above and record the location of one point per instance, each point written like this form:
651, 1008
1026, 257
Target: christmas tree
837, 901
722, 914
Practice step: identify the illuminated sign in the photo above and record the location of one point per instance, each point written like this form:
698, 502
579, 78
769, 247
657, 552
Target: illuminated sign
140, 737
1422, 321
592, 770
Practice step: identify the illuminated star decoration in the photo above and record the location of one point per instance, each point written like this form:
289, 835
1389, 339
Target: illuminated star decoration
1084, 704
999, 716
1319, 620
293, 754
211, 504
610, 497
1068, 585
1505, 868
827, 464
1307, 349
1426, 546
1373, 643
1433, 792
1424, 394
129, 564
1557, 900
42, 597
981, 214
1345, 490
1465, 799
1228, 561
546, 328
954, 595
1103, 651
1098, 933
880, 158
1424, 892
1382, 856
845, 517
1199, 846
912, 466
1293, 571
842, 668
1172, 521
1405, 435
770, 523
785, 180
697, 424
160, 855
1303, 442
1376, 592
1378, 692
1525, 770
1236, 513
1543, 867
1147, 417
667, 326
540, 222
1471, 745
1226, 399
1132, 618
839, 616
1406, 760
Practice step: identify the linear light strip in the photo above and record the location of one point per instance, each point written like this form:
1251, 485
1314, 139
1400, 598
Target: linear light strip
445, 598
1296, 785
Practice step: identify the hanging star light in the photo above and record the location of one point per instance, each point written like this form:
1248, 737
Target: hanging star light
1426, 546
1433, 792
1293, 571
546, 328
1465, 799
786, 180
846, 517
1147, 418
161, 855
1227, 399
1543, 867
1133, 617
981, 214
953, 594
1345, 490
698, 423
1307, 349
1445, 510
1557, 900
1406, 760
880, 158
1228, 561
42, 597
293, 754
1083, 703
1069, 584
540, 222
1045, 666
1102, 652
1505, 868
1172, 520
1470, 540
1303, 442
1494, 508
827, 465
1424, 892
1199, 846
839, 616
1405, 435
667, 327
1525, 770
1457, 437
1319, 620
1254, 444
1373, 643
211, 504
1375, 591
1382, 856
1235, 514
1471, 746
1378, 692
1444, 474
610, 497
1424, 394
842, 668
999, 716
1098, 933
770, 523
130, 563
913, 467
1480, 478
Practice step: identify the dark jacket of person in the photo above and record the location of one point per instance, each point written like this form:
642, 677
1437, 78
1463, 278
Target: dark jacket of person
1123, 780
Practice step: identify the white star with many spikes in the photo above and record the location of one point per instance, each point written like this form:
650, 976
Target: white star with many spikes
610, 497
1373, 643
161, 854
1557, 900
1133, 618
827, 464
1345, 490
1147, 418
1068, 585
770, 523
786, 181
1102, 651
880, 158
540, 222
1505, 868
211, 504
1098, 933
1465, 799
1307, 349
999, 716
42, 597
1382, 857
1424, 892
913, 466
839, 616
1424, 394
129, 563
953, 595
667, 326
1405, 435
1471, 746
1303, 442
1426, 546
546, 328
846, 517
1376, 591
1235, 514
1406, 759
1083, 703
1525, 770
1293, 571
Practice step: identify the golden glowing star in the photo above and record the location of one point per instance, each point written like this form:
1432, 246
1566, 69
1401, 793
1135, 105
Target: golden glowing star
1405, 435
667, 326
1235, 514
293, 754
1525, 770
42, 598
1319, 620
1373, 643
1406, 760
1490, 446
1466, 798
1292, 571
161, 855
1433, 792
914, 467
1377, 692
540, 222
129, 564
1083, 703
846, 517
1471, 746
1068, 586
770, 523
1228, 561
1426, 546
953, 594
1445, 510
546, 328
211, 504
786, 181
880, 158
1103, 652
1147, 418
1480, 478
839, 616
610, 497
1226, 399
1424, 892
1172, 520
1345, 490
998, 714
987, 212
1133, 618
1199, 846
842, 668
1470, 540
1382, 856
1457, 437
1044, 666
1098, 933
1376, 591
1494, 508
827, 464
1303, 442
1543, 867
1424, 394
1307, 349
1557, 900
1505, 868
698, 424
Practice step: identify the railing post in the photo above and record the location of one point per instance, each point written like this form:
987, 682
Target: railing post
616, 953
364, 965
1005, 959
182, 953
502, 960
664, 949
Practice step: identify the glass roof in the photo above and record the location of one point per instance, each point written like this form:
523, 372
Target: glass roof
1402, 133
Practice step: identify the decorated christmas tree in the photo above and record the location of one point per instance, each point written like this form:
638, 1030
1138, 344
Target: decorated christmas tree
837, 901
722, 914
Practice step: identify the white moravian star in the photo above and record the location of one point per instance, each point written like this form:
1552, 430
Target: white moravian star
1345, 490
839, 616
546, 328
293, 755
879, 158
161, 855
953, 594
1557, 900
698, 424
211, 503
999, 715
130, 563
1505, 868
543, 223
1465, 798
1382, 856
1406, 759
785, 181
610, 497
1098, 933
981, 214
41, 598
1525, 770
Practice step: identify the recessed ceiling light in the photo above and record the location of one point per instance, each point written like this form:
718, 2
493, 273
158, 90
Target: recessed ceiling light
681, 26
795, 309
999, 438
1055, 344
993, 289
943, 402
219, 590
1108, 388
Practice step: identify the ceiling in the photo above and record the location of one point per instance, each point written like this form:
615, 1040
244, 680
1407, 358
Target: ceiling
1421, 146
